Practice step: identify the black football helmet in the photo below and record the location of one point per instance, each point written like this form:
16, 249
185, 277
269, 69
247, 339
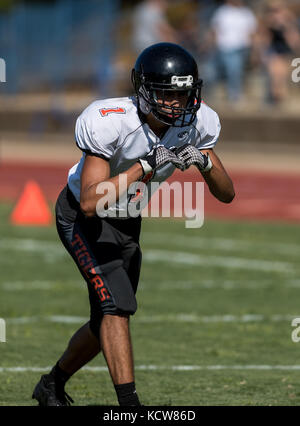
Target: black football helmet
167, 71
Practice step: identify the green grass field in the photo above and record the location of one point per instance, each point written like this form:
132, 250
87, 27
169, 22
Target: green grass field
213, 326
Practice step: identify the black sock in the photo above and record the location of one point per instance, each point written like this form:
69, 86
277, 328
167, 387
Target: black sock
59, 375
127, 395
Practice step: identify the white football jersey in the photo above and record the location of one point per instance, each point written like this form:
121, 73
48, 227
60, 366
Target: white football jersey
112, 129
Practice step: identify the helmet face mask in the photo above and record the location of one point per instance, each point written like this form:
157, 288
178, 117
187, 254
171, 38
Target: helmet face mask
173, 106
166, 82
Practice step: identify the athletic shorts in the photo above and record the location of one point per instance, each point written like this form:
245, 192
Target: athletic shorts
107, 253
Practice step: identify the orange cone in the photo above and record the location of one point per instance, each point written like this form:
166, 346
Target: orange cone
32, 207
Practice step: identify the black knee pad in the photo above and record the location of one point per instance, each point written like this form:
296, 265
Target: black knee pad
113, 289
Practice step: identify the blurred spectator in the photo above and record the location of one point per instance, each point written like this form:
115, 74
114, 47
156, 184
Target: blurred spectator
278, 41
182, 16
232, 28
150, 25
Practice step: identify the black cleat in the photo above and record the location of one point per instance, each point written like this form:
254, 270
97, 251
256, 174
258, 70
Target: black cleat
48, 394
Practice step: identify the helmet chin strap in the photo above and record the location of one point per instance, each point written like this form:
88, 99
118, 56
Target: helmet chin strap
146, 109
144, 106
163, 119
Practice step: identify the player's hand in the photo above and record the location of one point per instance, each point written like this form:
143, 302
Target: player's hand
191, 155
158, 157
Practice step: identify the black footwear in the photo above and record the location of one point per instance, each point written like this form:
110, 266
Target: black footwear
49, 395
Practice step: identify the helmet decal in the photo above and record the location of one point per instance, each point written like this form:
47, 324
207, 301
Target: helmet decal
182, 81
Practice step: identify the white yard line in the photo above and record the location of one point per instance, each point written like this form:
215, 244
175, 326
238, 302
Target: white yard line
181, 317
40, 285
26, 244
54, 250
228, 262
19, 369
214, 318
51, 251
27, 285
228, 244
207, 284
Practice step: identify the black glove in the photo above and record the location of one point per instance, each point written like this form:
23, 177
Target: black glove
191, 155
159, 156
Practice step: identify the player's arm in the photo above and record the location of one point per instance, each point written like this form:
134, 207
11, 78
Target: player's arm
217, 179
211, 168
97, 170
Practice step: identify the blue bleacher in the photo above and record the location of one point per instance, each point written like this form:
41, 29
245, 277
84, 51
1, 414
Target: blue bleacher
49, 45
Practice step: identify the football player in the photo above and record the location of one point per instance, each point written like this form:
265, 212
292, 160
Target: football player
145, 138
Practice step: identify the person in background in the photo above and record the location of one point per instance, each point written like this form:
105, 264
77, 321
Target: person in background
278, 42
150, 25
231, 30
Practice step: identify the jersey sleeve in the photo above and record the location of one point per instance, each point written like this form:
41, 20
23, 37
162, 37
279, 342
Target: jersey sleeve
96, 135
210, 129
